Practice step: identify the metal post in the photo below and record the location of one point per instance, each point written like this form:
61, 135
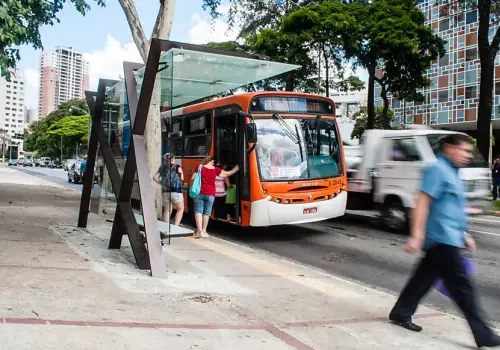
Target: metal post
88, 177
404, 113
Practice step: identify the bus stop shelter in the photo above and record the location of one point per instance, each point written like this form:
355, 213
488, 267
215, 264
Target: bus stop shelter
180, 74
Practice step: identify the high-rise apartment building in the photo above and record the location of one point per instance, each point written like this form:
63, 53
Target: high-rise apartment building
452, 99
12, 107
64, 75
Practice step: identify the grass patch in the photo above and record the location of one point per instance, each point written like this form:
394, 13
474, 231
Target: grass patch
496, 205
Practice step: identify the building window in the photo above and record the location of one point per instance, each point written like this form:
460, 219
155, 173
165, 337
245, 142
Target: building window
497, 88
471, 92
471, 17
445, 60
444, 24
471, 76
443, 96
471, 54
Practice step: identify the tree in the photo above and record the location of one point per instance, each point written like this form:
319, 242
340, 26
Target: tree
71, 130
286, 48
351, 83
390, 36
72, 127
361, 121
321, 26
72, 107
47, 144
20, 23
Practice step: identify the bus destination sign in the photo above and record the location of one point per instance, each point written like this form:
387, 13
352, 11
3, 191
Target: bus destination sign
290, 105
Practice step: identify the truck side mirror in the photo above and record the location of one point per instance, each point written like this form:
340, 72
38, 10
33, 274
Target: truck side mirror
251, 131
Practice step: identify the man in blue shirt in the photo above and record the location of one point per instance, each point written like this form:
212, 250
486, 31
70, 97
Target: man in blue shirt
438, 227
83, 166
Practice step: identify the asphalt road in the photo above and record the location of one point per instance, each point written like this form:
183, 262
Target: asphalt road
355, 248
58, 176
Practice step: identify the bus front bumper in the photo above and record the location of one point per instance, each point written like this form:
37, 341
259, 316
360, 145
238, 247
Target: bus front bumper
265, 212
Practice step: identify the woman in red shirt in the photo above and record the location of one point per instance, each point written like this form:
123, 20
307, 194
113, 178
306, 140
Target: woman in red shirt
204, 202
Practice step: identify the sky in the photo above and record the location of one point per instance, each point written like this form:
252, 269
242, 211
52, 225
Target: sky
104, 37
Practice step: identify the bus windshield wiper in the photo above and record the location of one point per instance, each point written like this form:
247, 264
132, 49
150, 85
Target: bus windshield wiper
299, 143
287, 129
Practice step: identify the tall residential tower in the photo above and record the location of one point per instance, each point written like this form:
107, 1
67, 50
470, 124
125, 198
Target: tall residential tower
64, 75
12, 108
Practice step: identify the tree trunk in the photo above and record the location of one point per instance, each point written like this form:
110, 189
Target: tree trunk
327, 73
370, 123
290, 82
485, 107
152, 133
487, 55
385, 110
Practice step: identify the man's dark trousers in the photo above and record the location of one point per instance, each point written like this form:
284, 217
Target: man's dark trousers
445, 262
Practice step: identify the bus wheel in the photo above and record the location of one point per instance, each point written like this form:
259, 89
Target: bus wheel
395, 216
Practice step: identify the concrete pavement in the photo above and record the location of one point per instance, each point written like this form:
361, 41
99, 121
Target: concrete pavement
62, 289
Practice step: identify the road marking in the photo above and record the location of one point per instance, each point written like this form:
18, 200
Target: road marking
486, 233
487, 220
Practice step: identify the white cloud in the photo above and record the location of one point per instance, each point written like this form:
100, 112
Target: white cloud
203, 30
107, 63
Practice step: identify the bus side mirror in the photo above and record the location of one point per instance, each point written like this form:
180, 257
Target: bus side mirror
251, 131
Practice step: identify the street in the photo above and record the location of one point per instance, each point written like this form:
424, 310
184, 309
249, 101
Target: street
353, 247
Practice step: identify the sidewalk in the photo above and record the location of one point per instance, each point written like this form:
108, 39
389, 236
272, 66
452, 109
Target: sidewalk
62, 289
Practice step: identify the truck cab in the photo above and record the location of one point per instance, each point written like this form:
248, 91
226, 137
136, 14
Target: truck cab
386, 169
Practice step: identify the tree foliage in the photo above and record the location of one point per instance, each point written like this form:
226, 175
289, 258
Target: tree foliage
72, 127
45, 135
389, 36
72, 107
20, 23
350, 84
361, 121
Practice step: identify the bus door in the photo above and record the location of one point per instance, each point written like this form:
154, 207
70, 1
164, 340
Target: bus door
226, 145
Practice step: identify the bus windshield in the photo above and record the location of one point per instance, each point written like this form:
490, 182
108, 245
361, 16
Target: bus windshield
477, 161
297, 149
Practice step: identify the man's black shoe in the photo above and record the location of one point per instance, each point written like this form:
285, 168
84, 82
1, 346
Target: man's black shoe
494, 341
406, 324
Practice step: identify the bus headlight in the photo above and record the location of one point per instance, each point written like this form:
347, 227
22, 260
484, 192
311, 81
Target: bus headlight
287, 201
278, 201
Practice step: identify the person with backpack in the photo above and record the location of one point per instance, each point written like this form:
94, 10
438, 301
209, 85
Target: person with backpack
170, 177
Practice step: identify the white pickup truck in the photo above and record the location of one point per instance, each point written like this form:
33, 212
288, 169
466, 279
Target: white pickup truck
384, 172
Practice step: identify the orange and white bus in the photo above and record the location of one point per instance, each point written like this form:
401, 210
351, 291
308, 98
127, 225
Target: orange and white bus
288, 148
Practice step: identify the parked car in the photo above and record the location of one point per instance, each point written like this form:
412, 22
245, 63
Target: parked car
76, 176
13, 162
45, 162
56, 164
37, 162
27, 162
68, 163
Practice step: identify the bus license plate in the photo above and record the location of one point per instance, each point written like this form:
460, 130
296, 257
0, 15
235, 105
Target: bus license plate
310, 210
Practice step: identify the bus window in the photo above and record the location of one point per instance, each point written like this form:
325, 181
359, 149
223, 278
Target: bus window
197, 135
174, 127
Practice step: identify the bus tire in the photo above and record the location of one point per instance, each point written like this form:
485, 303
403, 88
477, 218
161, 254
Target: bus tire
395, 216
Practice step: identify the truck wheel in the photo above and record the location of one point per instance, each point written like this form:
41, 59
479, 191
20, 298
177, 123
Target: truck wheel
395, 216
